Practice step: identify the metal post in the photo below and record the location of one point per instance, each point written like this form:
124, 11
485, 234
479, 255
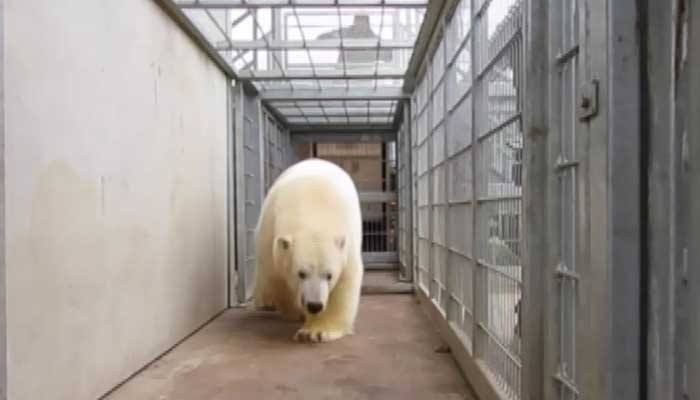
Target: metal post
447, 115
691, 162
537, 282
3, 283
479, 287
624, 209
240, 174
231, 193
658, 92
408, 137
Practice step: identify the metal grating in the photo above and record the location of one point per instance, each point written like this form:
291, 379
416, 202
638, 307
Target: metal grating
301, 50
467, 147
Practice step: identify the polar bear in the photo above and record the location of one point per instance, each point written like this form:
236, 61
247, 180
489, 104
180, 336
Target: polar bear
309, 250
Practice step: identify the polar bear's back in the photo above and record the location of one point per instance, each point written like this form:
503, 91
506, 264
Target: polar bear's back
315, 193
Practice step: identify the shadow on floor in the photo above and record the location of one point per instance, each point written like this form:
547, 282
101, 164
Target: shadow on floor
251, 355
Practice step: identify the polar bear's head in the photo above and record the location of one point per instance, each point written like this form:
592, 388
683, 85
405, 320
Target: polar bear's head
312, 264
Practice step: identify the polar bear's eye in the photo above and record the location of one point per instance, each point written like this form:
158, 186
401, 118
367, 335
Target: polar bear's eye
302, 275
329, 276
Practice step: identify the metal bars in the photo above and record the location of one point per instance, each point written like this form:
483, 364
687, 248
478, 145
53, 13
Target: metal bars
373, 168
278, 149
467, 150
563, 111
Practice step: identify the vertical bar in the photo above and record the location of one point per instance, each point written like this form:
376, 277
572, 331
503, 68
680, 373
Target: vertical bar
263, 145
3, 266
479, 290
658, 92
408, 137
537, 284
231, 194
240, 174
430, 132
623, 126
383, 236
447, 115
690, 161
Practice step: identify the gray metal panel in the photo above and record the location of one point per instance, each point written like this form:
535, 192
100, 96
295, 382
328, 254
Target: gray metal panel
691, 162
658, 32
624, 247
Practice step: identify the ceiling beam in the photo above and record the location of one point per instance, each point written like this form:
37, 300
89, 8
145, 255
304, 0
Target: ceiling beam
394, 93
317, 44
344, 136
276, 75
251, 4
340, 115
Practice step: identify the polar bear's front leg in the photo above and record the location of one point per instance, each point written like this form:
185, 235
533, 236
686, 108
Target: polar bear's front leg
338, 319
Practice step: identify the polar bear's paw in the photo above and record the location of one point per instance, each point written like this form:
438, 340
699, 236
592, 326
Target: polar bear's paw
315, 335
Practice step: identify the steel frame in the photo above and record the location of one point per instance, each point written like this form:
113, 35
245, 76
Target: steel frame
257, 81
253, 4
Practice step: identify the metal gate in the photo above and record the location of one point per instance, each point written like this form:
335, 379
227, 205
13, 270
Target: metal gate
373, 169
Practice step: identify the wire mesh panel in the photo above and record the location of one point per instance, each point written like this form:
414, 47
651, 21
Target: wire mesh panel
468, 156
403, 170
278, 149
498, 147
423, 203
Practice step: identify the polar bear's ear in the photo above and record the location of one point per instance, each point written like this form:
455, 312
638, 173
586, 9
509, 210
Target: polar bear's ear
284, 242
340, 242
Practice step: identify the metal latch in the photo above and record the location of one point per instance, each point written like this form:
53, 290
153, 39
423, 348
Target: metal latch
588, 100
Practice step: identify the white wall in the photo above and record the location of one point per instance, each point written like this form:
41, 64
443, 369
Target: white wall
115, 192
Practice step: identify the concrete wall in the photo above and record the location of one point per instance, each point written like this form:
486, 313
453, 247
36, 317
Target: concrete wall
115, 192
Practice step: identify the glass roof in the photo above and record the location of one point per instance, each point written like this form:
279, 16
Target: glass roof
305, 46
336, 111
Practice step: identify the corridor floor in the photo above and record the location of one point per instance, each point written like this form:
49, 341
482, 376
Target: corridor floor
250, 355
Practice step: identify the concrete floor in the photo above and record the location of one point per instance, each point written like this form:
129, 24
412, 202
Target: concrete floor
251, 355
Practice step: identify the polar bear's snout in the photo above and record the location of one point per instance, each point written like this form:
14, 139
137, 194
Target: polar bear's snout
314, 295
314, 308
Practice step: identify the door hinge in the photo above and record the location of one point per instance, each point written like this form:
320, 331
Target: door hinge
588, 100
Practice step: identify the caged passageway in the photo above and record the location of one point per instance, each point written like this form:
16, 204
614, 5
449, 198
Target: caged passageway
529, 180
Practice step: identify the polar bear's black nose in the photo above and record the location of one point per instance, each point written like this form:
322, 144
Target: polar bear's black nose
314, 308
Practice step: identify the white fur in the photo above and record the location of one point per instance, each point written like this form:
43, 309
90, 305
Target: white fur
310, 229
